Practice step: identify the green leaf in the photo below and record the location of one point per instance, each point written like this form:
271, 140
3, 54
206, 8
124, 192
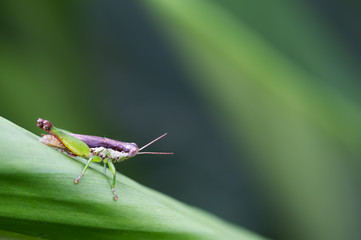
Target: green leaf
38, 198
299, 130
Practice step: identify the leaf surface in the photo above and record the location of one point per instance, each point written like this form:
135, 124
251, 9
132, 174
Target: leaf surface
38, 198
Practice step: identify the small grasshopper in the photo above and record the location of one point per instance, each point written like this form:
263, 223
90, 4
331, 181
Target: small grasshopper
96, 149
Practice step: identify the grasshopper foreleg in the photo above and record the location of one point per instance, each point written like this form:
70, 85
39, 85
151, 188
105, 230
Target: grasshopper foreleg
114, 172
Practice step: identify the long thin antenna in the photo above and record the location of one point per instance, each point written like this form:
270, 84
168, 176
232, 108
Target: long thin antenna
140, 149
163, 153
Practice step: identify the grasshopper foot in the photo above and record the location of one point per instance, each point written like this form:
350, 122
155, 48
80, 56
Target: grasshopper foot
115, 194
76, 181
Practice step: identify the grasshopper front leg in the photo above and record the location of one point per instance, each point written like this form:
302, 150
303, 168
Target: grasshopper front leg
92, 159
114, 172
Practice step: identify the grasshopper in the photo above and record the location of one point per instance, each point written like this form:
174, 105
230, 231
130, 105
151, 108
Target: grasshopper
94, 148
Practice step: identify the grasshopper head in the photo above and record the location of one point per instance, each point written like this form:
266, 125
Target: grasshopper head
132, 149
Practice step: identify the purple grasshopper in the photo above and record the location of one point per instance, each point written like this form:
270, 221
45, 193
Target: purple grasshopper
96, 149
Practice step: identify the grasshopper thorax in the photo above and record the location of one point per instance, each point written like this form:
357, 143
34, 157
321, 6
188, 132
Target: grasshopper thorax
111, 154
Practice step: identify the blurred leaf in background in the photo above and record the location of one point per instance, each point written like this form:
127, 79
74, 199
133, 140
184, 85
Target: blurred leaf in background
261, 99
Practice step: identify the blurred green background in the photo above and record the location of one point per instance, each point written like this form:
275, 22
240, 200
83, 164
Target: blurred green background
260, 99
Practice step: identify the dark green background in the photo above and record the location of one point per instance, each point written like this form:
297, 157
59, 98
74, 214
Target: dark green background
261, 99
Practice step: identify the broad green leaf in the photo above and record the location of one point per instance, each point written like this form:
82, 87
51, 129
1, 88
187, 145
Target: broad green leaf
15, 236
38, 198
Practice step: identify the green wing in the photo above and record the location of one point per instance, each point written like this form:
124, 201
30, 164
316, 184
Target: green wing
74, 144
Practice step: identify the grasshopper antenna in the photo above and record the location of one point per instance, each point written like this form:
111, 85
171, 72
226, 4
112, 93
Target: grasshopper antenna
159, 153
152, 143
146, 145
